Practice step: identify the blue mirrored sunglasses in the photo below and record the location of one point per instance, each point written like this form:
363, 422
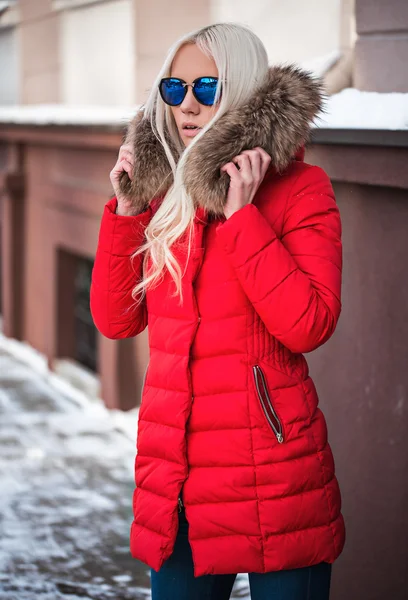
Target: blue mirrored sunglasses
173, 90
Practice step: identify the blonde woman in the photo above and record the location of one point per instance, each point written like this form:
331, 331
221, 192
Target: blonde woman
227, 245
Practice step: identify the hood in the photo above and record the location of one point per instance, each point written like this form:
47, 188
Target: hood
277, 117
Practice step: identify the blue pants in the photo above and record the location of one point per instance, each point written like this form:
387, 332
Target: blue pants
175, 580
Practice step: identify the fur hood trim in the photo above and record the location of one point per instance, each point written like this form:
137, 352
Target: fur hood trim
277, 118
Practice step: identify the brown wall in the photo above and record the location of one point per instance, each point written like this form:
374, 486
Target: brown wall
362, 377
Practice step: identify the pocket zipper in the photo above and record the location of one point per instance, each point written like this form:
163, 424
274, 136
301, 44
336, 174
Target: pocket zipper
266, 403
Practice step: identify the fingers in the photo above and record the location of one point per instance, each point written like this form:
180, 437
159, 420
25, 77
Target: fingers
128, 167
125, 162
252, 164
260, 161
266, 160
126, 154
121, 165
232, 170
246, 168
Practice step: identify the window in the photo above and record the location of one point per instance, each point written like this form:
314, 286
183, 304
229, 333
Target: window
85, 332
76, 332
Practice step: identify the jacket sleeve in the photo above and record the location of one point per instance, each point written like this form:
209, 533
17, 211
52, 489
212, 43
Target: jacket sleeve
114, 311
294, 283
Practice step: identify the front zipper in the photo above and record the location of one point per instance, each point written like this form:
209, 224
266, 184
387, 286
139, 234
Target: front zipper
266, 403
198, 268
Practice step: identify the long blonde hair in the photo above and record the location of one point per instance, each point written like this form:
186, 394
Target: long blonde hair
242, 63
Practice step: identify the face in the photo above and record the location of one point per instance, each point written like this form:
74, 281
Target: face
188, 64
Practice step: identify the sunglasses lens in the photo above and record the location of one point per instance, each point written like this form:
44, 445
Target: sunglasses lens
205, 89
172, 91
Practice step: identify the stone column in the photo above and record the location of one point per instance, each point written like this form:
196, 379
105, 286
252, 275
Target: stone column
158, 25
381, 52
39, 52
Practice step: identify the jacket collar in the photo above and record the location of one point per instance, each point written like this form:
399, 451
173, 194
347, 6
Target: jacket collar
277, 117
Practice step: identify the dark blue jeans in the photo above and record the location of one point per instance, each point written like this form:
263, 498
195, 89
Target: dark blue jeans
176, 581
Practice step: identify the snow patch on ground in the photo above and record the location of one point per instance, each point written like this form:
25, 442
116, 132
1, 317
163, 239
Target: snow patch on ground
66, 482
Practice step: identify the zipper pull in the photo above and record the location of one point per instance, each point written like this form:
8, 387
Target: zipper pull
180, 504
279, 437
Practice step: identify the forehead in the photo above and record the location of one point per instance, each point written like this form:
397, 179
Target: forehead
190, 63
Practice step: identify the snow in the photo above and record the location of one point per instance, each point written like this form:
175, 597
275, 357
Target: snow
66, 484
66, 470
320, 65
353, 109
62, 114
80, 377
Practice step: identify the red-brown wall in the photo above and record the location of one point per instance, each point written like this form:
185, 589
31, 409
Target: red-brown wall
65, 176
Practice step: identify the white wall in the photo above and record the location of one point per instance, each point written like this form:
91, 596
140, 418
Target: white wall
292, 30
98, 54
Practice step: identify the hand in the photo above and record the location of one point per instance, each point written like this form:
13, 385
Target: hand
124, 163
245, 181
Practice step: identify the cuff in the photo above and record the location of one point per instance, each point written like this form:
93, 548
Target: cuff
122, 235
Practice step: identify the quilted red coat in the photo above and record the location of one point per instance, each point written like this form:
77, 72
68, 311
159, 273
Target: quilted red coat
229, 415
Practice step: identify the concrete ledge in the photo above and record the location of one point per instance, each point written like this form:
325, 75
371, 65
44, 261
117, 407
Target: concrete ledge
361, 137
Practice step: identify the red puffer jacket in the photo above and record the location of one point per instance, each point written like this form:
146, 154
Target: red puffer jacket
229, 415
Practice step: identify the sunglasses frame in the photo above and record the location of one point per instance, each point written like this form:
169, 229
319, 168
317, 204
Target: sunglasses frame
185, 86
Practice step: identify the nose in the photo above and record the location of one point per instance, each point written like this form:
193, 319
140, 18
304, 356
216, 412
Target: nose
190, 104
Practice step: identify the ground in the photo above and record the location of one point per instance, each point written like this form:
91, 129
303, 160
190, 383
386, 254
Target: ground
66, 483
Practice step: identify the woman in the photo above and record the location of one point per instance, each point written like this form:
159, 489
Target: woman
228, 246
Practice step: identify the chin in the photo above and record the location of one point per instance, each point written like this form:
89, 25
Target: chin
186, 141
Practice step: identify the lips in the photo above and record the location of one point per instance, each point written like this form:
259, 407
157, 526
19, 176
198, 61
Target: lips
190, 130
